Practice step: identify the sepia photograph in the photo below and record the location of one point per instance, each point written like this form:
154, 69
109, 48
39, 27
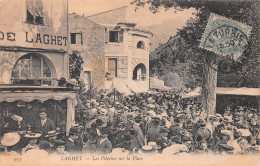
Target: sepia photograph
129, 82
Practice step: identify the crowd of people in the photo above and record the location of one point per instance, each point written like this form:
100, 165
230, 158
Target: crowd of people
144, 123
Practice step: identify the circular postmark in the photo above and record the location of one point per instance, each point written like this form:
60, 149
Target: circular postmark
226, 40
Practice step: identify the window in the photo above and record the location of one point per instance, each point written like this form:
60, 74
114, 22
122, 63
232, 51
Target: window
31, 67
34, 12
116, 36
140, 45
112, 66
76, 38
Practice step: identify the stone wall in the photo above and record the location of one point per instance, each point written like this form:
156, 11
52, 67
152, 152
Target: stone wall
92, 49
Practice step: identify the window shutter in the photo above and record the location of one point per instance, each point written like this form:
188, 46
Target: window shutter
107, 35
121, 36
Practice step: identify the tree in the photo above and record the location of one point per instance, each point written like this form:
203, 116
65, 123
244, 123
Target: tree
75, 64
243, 11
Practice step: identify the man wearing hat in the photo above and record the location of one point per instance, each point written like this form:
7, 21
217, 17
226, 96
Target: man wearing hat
126, 144
154, 132
103, 145
32, 142
138, 141
203, 134
70, 145
60, 148
176, 128
90, 146
51, 139
45, 124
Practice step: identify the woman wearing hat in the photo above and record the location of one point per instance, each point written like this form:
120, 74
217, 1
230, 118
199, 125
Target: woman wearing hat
8, 141
32, 142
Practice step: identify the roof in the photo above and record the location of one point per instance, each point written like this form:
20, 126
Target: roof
107, 11
84, 18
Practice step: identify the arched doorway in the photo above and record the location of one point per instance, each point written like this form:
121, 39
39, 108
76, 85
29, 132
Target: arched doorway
139, 72
33, 69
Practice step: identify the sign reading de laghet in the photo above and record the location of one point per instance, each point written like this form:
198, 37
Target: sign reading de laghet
38, 38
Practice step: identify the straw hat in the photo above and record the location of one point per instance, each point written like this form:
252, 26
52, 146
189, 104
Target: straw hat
32, 135
51, 133
10, 139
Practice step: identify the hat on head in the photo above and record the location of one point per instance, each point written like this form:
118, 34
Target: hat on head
43, 109
156, 122
218, 116
32, 135
103, 111
244, 132
99, 122
152, 113
227, 119
74, 130
104, 130
138, 117
227, 147
147, 149
164, 129
52, 133
10, 139
226, 132
127, 136
60, 143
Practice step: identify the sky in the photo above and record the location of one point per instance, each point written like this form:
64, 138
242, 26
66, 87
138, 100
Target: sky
143, 17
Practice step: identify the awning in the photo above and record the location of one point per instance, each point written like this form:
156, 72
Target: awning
239, 91
195, 93
120, 86
41, 96
155, 83
226, 91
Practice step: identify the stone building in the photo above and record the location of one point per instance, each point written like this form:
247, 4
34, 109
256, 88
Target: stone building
33, 56
126, 49
88, 38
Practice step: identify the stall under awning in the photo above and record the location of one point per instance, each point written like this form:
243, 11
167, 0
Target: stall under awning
44, 96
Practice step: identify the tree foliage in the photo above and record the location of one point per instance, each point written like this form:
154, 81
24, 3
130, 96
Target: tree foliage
75, 64
242, 73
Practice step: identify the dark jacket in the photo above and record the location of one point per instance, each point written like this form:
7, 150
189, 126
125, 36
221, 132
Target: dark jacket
71, 147
49, 126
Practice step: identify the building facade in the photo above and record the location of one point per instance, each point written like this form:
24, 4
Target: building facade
33, 57
126, 49
88, 38
33, 41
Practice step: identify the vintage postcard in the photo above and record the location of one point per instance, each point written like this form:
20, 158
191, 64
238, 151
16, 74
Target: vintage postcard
129, 82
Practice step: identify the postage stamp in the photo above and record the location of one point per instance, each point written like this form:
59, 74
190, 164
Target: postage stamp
225, 36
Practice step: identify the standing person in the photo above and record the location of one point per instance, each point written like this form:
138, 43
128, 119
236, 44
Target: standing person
154, 132
103, 145
45, 124
138, 141
71, 146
